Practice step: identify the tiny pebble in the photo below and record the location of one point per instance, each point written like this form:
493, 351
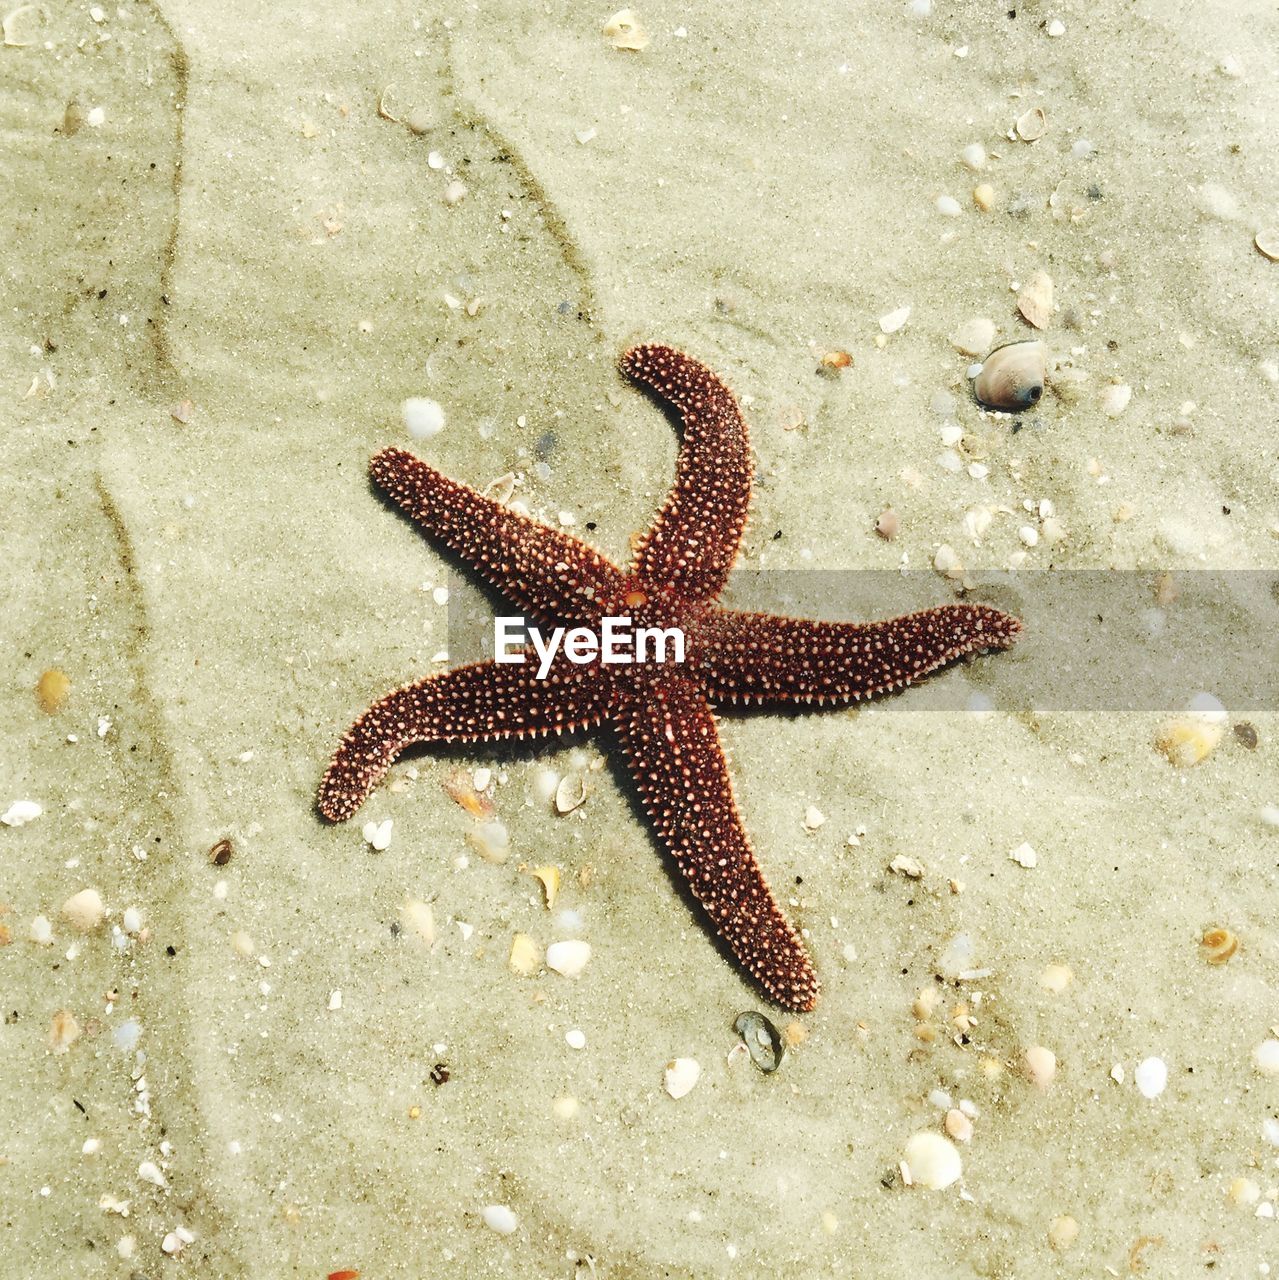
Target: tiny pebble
499, 1218
20, 812
1266, 1057
958, 1125
1056, 28
423, 418
1151, 1077
568, 958
1041, 1065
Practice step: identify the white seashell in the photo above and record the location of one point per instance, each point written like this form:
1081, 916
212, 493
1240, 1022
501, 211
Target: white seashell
1041, 1065
973, 336
1115, 398
1267, 242
1032, 125
1012, 377
623, 31
681, 1075
20, 812
423, 418
974, 156
83, 910
1035, 301
932, 1161
1265, 1057
568, 958
570, 794
894, 320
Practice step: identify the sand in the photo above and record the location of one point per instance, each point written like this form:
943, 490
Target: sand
217, 294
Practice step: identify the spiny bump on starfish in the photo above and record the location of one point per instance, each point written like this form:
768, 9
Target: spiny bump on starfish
663, 720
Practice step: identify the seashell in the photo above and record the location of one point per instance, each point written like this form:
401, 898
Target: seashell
549, 878
1190, 738
460, 787
1012, 377
680, 1076
932, 1161
973, 336
762, 1039
52, 690
1035, 301
1041, 1065
570, 794
568, 958
1115, 398
1267, 242
623, 31
1218, 945
984, 196
524, 957
888, 524
1032, 125
490, 840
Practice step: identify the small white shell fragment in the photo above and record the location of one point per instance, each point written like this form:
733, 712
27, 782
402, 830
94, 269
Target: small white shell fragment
946, 561
1024, 855
948, 207
1056, 978
1115, 399
1041, 1065
1267, 242
418, 918
681, 1075
568, 958
575, 1038
335, 1000
1081, 149
491, 841
455, 192
1029, 535
932, 1161
131, 922
84, 910
20, 812
499, 1218
423, 418
1117, 1073
1151, 1077
1035, 301
96, 118
904, 865
177, 1240
973, 337
813, 818
1056, 28
149, 1171
1265, 1057
378, 834
974, 156
91, 1146
623, 31
1032, 125
894, 320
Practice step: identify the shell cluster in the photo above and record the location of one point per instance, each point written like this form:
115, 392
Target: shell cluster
1012, 377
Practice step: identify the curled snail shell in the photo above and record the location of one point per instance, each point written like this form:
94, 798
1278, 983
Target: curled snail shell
1012, 377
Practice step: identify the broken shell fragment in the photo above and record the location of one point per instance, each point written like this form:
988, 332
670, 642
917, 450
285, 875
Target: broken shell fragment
1032, 125
1188, 739
973, 336
1267, 242
762, 1039
932, 1161
1035, 301
1218, 945
1012, 377
1115, 399
623, 31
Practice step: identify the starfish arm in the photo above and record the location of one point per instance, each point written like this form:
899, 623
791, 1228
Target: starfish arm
679, 769
549, 574
693, 541
479, 703
760, 657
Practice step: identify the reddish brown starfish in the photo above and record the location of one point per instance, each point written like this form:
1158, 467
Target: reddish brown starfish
661, 711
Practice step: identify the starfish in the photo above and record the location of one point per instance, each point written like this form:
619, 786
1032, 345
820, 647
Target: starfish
661, 712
